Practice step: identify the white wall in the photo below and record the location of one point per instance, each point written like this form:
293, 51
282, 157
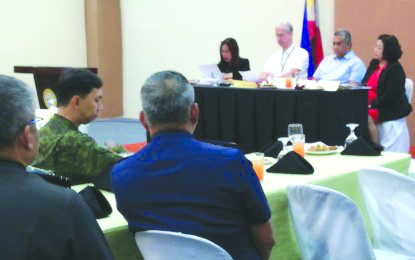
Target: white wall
157, 35
41, 33
182, 34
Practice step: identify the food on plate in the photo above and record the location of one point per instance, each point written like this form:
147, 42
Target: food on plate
322, 147
266, 84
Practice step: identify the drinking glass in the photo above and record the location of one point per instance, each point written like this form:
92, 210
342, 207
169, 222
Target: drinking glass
258, 164
288, 82
294, 129
284, 151
298, 144
297, 79
352, 137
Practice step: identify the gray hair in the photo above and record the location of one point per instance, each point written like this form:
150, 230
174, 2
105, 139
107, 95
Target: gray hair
286, 26
17, 109
347, 37
167, 98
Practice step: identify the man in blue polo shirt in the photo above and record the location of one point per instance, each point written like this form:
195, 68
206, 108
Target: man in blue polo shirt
179, 184
344, 65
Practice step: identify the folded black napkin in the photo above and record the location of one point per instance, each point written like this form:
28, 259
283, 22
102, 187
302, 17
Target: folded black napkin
292, 162
96, 201
363, 147
272, 149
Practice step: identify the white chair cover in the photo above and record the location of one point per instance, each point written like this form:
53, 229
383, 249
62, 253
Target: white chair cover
161, 245
411, 171
390, 202
394, 135
409, 89
328, 225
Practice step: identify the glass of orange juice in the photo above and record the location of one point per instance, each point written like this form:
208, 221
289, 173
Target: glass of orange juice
298, 141
257, 160
288, 82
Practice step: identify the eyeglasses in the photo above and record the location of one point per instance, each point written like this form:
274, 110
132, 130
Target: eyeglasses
37, 121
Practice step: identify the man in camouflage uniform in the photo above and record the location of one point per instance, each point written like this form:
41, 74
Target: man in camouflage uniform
63, 148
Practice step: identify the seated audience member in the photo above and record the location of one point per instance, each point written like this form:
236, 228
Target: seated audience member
230, 62
289, 61
388, 104
344, 65
63, 148
40, 220
179, 184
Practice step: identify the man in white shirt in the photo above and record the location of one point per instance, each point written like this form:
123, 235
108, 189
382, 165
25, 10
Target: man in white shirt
288, 61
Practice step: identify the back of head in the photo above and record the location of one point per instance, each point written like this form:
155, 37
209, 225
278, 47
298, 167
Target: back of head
75, 82
233, 48
391, 48
17, 109
167, 98
347, 37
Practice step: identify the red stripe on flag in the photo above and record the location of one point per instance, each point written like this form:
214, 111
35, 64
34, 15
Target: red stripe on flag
315, 42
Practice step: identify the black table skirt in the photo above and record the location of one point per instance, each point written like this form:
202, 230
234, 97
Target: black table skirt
253, 118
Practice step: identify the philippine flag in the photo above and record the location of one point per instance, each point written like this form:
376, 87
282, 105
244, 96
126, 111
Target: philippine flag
311, 38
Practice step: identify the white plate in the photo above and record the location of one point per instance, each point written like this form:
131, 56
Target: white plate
269, 160
322, 152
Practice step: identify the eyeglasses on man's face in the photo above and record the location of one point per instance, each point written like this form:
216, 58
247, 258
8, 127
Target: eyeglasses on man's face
36, 121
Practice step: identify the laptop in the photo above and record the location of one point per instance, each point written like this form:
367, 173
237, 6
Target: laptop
211, 71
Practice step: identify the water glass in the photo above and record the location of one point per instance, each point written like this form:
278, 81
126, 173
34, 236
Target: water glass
294, 129
352, 137
284, 151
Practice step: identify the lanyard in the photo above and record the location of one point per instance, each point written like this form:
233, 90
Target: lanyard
283, 64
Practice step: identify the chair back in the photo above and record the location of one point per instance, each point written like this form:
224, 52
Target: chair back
161, 245
390, 202
328, 225
409, 89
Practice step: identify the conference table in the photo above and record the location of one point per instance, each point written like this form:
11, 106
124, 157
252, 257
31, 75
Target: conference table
335, 171
253, 118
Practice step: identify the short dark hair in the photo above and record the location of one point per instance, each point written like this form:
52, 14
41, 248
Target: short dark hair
75, 82
391, 48
233, 48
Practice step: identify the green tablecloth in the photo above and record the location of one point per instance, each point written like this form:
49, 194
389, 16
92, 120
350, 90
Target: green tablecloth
333, 171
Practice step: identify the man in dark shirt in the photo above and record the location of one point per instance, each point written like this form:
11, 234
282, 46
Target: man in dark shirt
177, 183
39, 220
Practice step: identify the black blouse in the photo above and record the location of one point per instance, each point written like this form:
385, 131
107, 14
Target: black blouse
391, 101
241, 65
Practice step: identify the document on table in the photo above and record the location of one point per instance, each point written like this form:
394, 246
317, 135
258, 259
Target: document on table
250, 75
